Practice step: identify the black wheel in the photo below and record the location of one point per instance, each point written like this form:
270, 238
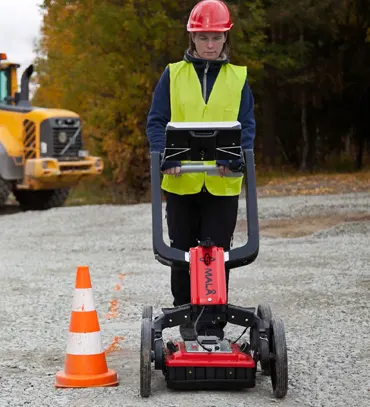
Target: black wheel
145, 357
254, 339
159, 362
147, 312
264, 353
41, 200
264, 312
4, 191
279, 358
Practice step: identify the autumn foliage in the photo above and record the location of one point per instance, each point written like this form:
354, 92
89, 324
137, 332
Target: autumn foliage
102, 59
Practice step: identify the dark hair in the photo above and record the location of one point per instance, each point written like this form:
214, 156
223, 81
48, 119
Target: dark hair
225, 49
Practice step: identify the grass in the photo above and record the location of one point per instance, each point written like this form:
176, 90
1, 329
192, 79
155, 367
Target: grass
90, 192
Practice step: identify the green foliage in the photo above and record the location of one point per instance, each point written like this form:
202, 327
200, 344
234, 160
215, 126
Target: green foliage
249, 37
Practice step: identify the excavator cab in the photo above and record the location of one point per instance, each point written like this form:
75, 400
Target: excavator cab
9, 94
4, 85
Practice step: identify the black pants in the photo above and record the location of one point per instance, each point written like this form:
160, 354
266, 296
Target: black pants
193, 218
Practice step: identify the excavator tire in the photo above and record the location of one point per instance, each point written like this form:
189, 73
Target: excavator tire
41, 200
4, 191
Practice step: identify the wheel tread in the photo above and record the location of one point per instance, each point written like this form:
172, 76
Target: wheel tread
145, 358
280, 361
264, 312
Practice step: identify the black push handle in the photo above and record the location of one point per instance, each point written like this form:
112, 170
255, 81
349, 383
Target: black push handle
163, 253
237, 257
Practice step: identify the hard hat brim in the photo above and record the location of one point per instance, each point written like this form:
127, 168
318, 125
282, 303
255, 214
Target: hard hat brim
209, 29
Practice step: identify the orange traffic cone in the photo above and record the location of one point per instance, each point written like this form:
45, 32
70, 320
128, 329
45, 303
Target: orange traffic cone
85, 364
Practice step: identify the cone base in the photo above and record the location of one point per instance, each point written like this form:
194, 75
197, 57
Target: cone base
110, 378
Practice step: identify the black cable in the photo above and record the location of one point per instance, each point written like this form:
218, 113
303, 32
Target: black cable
196, 332
245, 330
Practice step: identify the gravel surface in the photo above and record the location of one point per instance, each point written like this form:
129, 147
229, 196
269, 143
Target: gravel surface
318, 284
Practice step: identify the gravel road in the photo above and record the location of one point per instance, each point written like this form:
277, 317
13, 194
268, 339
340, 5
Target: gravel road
318, 284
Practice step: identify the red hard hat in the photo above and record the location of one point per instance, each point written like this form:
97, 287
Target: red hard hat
209, 15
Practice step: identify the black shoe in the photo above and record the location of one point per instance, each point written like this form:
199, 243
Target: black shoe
216, 331
212, 330
187, 331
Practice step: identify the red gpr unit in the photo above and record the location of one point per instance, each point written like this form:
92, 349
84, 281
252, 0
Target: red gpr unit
207, 276
209, 360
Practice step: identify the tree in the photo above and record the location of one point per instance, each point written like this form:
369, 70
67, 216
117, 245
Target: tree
307, 66
103, 59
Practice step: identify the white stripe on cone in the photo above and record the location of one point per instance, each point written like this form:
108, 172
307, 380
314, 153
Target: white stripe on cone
83, 300
84, 343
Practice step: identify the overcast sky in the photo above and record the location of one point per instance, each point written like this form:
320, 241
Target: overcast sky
20, 22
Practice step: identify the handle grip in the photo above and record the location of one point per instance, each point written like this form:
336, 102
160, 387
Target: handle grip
210, 170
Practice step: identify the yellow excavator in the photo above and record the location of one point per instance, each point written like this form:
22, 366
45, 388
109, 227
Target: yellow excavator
41, 150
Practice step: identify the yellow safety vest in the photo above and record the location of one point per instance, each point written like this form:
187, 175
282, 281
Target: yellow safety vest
188, 105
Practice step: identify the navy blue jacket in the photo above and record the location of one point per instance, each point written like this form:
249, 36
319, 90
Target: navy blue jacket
160, 111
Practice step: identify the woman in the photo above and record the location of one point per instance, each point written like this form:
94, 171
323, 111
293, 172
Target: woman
204, 87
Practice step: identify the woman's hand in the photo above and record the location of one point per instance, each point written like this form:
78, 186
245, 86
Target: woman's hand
222, 170
172, 171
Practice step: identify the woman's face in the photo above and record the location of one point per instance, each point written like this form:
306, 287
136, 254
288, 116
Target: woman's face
209, 44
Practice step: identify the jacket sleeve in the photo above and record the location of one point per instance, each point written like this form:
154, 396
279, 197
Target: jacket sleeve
158, 117
246, 117
248, 124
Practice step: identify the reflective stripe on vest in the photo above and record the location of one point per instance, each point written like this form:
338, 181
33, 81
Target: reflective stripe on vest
188, 105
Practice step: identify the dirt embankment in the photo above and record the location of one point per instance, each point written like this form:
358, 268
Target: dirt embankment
303, 225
